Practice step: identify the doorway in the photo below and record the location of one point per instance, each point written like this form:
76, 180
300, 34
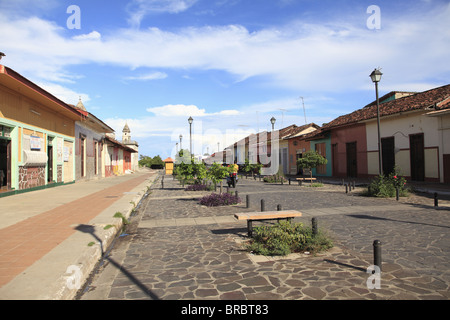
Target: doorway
82, 154
351, 160
50, 163
5, 165
334, 158
388, 155
417, 157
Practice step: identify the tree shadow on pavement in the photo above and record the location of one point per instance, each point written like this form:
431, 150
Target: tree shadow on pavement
363, 216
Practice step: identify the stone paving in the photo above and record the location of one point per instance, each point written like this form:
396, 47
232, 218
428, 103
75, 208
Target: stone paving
176, 249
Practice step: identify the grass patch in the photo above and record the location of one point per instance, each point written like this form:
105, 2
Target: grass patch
285, 238
316, 185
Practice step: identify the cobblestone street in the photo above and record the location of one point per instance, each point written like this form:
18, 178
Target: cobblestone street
176, 249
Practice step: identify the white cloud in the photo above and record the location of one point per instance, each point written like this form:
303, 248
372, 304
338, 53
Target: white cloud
94, 35
138, 9
181, 110
177, 110
150, 76
297, 56
64, 94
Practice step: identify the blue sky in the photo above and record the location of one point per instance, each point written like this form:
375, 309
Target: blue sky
230, 64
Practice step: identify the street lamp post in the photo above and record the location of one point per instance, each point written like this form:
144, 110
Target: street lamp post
376, 77
181, 138
190, 120
272, 121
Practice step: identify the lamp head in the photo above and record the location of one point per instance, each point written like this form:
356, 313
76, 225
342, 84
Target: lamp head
376, 75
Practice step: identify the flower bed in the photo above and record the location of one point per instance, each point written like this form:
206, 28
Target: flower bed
215, 200
198, 187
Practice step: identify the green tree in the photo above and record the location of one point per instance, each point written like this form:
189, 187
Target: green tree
310, 160
217, 173
256, 167
145, 161
157, 161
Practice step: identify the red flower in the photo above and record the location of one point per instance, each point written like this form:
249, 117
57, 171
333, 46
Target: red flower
395, 177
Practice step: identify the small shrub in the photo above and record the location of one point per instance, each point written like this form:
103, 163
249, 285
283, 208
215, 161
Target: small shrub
316, 185
385, 186
198, 187
215, 200
285, 237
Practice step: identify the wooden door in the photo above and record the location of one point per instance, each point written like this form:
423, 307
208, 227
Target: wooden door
8, 164
388, 155
417, 157
352, 167
321, 149
334, 157
50, 164
82, 153
446, 168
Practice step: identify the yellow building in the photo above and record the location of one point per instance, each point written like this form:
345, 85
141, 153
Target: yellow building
36, 135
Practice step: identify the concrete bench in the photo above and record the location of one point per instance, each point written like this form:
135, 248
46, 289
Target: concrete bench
266, 216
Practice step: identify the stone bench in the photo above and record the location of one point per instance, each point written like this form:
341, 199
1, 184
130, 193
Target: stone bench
300, 180
266, 216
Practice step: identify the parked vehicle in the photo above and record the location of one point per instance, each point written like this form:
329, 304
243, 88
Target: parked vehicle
232, 179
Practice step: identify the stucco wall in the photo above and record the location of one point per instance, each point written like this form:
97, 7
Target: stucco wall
401, 127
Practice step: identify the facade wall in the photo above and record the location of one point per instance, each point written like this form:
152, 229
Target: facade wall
297, 146
328, 167
92, 147
401, 128
340, 137
444, 145
38, 140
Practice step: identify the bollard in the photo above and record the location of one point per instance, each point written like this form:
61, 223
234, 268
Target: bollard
248, 201
346, 188
396, 193
377, 253
436, 204
279, 207
289, 181
354, 184
236, 194
314, 226
162, 183
262, 205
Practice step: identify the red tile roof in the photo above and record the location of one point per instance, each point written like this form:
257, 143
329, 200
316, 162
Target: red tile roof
435, 99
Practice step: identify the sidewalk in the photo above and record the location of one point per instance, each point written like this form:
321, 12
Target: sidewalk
178, 249
51, 240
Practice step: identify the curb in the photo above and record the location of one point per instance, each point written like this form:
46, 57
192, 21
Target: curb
68, 285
